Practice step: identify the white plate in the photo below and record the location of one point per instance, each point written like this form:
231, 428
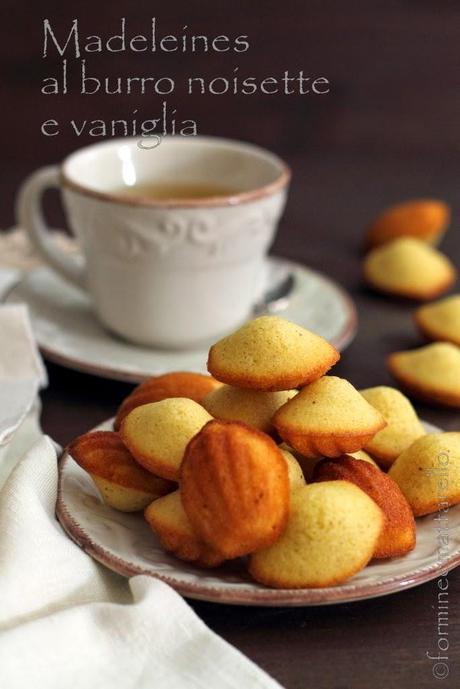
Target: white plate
125, 544
69, 334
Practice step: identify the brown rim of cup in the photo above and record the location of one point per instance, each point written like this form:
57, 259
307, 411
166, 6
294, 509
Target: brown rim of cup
235, 199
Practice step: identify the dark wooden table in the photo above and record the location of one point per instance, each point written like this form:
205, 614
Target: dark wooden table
387, 131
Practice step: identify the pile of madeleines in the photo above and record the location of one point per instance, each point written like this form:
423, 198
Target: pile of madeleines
402, 261
268, 457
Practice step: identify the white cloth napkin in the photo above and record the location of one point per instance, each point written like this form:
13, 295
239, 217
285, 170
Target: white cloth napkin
19, 359
21, 369
67, 622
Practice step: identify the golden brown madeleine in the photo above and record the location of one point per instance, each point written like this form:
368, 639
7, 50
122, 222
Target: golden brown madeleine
428, 473
440, 320
295, 473
124, 485
327, 419
166, 517
332, 533
424, 219
157, 433
398, 535
403, 425
409, 268
270, 353
235, 488
194, 386
253, 407
430, 373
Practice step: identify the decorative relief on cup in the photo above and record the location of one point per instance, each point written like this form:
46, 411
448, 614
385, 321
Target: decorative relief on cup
205, 233
131, 238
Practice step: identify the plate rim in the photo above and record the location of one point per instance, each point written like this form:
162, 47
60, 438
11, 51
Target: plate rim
130, 375
268, 597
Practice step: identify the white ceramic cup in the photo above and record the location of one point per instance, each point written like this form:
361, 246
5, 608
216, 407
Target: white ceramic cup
166, 273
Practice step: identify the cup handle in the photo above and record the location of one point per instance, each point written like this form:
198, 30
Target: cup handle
29, 215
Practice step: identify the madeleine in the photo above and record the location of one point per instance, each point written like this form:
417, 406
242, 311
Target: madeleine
430, 373
157, 434
253, 407
403, 425
327, 418
409, 268
332, 533
440, 320
235, 488
167, 519
424, 219
271, 354
194, 386
122, 483
428, 473
295, 472
398, 535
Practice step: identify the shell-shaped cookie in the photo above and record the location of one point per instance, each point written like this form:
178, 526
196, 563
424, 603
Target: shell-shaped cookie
424, 219
295, 472
409, 268
428, 473
235, 488
123, 484
253, 407
440, 320
157, 433
167, 518
332, 533
398, 535
403, 425
194, 386
270, 353
430, 373
327, 418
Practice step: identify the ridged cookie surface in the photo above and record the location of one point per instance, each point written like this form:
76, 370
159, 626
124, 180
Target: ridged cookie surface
327, 418
398, 535
123, 484
235, 488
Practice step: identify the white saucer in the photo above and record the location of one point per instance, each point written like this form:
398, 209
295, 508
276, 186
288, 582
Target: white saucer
124, 543
68, 332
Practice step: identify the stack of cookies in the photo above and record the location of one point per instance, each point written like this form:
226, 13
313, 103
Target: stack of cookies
272, 459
